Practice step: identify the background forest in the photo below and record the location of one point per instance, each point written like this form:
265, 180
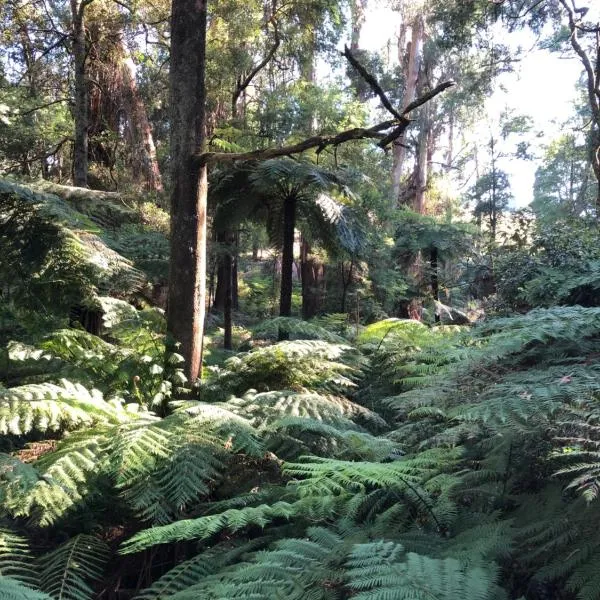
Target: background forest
271, 323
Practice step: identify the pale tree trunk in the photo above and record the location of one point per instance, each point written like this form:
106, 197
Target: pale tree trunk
143, 151
410, 56
592, 74
187, 275
80, 105
422, 163
358, 10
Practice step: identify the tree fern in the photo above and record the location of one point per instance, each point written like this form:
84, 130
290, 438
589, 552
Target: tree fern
67, 572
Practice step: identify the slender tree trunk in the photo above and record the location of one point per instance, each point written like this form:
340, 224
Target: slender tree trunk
346, 281
143, 151
591, 65
80, 107
227, 313
187, 276
435, 284
421, 164
412, 62
287, 259
309, 274
235, 290
218, 304
357, 8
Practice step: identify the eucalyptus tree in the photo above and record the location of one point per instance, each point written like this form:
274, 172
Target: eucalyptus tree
575, 27
563, 182
190, 159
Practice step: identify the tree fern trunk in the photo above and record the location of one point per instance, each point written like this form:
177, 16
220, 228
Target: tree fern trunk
287, 259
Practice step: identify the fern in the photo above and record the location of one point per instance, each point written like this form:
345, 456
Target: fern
50, 407
381, 570
295, 329
67, 572
15, 558
11, 589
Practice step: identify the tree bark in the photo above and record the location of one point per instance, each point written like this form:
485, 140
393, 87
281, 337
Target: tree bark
80, 105
218, 304
187, 276
435, 283
421, 163
411, 75
143, 151
287, 259
357, 8
592, 71
309, 274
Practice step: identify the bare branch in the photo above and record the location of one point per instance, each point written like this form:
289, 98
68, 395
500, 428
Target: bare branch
320, 142
371, 81
242, 85
46, 105
428, 96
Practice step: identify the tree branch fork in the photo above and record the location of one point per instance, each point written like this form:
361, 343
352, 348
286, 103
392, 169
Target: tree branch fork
386, 132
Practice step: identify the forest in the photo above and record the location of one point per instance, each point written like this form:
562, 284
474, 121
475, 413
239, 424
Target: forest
299, 299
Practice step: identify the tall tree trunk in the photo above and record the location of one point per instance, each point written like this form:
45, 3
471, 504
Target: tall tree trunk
187, 274
591, 65
227, 312
218, 304
411, 57
422, 162
435, 284
357, 8
235, 290
309, 274
80, 105
143, 151
287, 259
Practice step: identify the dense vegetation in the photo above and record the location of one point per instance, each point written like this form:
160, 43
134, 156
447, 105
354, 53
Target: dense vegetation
400, 384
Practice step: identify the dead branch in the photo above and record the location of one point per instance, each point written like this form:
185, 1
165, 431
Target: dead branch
320, 142
373, 83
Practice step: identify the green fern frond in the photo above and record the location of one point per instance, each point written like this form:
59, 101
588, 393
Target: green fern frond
50, 407
67, 572
11, 589
296, 329
381, 571
266, 408
15, 558
205, 527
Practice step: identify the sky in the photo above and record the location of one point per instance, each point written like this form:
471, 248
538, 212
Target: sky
542, 87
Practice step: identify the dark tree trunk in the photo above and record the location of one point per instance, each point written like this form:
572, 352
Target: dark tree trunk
218, 304
227, 316
309, 274
235, 292
80, 105
187, 276
346, 281
287, 259
435, 284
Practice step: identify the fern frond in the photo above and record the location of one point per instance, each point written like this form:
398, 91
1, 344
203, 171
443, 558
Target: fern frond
15, 558
50, 407
11, 589
67, 572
